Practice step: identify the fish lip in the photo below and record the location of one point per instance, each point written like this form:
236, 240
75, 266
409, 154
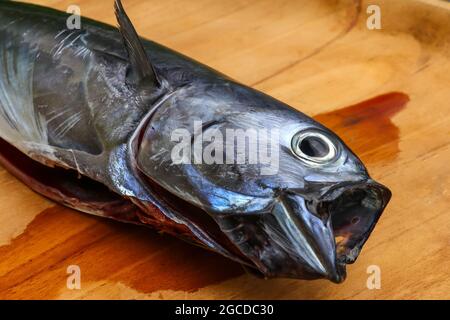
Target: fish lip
374, 198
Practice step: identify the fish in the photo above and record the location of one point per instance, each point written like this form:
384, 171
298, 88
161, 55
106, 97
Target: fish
105, 122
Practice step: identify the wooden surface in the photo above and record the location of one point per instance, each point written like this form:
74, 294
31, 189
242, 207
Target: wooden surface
319, 57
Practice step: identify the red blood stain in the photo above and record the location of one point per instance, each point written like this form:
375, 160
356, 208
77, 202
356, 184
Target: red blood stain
34, 265
367, 128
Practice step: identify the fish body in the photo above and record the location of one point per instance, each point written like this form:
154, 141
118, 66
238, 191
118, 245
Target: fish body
93, 118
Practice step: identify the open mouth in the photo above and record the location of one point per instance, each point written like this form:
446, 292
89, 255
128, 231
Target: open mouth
354, 211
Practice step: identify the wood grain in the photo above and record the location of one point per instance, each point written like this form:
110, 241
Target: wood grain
319, 57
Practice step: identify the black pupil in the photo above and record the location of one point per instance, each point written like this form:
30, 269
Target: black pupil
314, 147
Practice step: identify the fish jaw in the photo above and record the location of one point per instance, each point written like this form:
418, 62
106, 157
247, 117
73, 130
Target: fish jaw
354, 210
294, 240
287, 242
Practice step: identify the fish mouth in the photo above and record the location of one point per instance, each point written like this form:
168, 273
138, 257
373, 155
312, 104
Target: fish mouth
307, 239
354, 210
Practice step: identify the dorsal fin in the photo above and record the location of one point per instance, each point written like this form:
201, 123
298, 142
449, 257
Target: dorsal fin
141, 70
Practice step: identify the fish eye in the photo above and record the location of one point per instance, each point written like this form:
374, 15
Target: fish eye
313, 147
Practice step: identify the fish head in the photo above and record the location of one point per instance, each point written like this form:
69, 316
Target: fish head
285, 190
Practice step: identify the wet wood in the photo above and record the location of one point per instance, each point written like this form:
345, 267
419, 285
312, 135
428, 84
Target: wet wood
319, 57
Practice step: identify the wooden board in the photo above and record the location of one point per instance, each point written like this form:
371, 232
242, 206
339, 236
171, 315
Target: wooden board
320, 57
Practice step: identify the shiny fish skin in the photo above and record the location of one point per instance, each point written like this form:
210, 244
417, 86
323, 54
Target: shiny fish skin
101, 104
